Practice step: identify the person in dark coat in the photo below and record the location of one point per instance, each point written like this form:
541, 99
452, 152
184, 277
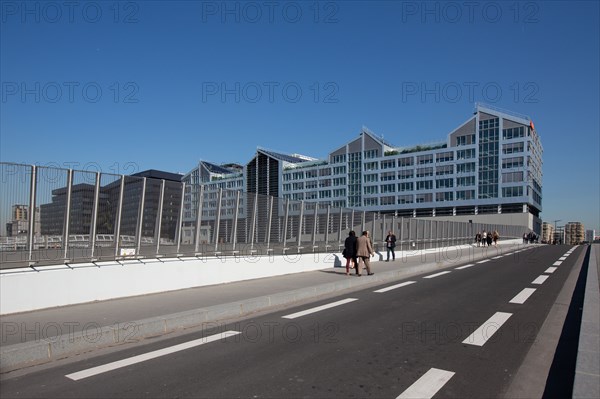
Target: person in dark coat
350, 249
390, 244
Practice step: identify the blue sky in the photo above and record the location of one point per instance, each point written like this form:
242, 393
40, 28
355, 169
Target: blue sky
129, 86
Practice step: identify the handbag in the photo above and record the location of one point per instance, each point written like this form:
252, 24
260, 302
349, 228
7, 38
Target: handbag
344, 253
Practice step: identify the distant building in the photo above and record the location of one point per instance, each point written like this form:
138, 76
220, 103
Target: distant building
547, 235
19, 224
488, 170
590, 235
574, 233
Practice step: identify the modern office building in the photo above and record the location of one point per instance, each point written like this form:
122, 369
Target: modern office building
574, 233
489, 169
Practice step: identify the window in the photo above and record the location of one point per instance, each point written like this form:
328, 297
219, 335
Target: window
371, 166
325, 172
409, 186
325, 194
420, 198
424, 159
371, 201
339, 181
338, 158
516, 162
512, 177
370, 190
406, 174
370, 178
389, 164
388, 200
409, 161
405, 199
422, 172
444, 170
425, 185
465, 195
311, 174
371, 154
311, 184
514, 132
339, 170
445, 196
298, 186
512, 148
443, 183
465, 167
465, 181
465, 154
444, 157
465, 140
388, 188
340, 192
387, 176
512, 191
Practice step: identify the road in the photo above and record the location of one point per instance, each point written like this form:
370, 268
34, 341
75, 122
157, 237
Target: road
460, 333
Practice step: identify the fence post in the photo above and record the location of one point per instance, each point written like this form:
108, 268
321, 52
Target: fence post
67, 219
218, 219
340, 226
285, 221
327, 227
158, 223
235, 219
269, 222
95, 215
32, 193
140, 226
119, 212
253, 221
198, 219
314, 232
363, 221
180, 219
300, 224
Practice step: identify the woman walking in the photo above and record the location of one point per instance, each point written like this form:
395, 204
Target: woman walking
350, 249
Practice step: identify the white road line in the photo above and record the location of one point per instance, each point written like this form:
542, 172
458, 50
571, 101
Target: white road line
497, 257
540, 280
428, 385
465, 266
319, 308
562, 258
148, 356
437, 274
489, 328
522, 296
393, 287
557, 263
551, 270
483, 261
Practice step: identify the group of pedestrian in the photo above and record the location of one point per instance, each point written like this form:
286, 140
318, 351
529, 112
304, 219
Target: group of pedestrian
530, 238
487, 238
358, 251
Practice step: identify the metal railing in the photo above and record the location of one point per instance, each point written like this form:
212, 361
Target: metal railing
81, 216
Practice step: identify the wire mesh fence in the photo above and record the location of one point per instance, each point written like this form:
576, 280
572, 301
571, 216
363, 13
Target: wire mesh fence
82, 216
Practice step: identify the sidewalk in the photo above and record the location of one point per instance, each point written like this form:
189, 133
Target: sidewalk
41, 336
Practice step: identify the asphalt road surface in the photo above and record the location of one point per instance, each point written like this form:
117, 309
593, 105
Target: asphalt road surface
459, 333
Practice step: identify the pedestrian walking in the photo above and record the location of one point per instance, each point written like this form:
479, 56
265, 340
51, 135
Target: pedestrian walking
364, 252
390, 244
350, 249
495, 237
478, 238
484, 238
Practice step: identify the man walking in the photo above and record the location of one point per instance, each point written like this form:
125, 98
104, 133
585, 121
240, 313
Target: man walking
390, 244
364, 251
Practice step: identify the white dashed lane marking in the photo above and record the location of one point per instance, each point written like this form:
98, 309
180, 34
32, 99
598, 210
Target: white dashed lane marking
437, 274
428, 385
522, 296
393, 287
148, 356
487, 329
319, 308
540, 280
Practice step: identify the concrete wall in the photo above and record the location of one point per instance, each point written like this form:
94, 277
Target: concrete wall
60, 285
